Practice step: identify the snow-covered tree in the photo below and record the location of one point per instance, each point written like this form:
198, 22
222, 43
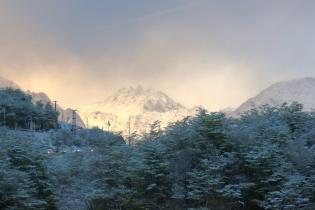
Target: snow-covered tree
33, 187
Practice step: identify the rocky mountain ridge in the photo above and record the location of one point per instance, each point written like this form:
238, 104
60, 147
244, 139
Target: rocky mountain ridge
299, 90
138, 106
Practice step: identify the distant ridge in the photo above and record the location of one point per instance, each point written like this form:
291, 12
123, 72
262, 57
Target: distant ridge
8, 83
64, 114
299, 90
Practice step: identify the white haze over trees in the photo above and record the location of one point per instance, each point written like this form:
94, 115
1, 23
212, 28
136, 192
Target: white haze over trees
262, 160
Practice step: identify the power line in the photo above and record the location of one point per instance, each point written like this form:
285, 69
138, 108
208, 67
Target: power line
129, 131
56, 120
4, 116
88, 133
74, 123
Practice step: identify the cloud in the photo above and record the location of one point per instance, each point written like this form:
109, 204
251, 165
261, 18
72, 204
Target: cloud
199, 53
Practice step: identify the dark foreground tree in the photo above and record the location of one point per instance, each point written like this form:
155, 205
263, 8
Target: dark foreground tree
26, 182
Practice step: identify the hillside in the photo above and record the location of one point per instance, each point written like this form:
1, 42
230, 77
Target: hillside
65, 114
8, 83
300, 90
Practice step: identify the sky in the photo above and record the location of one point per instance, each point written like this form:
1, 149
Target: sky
216, 54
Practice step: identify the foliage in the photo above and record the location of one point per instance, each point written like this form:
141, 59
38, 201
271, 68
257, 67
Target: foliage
26, 182
94, 137
262, 160
19, 111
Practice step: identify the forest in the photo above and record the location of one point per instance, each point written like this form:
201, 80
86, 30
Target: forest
19, 112
264, 159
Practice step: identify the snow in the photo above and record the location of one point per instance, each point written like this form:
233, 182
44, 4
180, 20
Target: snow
138, 106
228, 110
8, 83
300, 90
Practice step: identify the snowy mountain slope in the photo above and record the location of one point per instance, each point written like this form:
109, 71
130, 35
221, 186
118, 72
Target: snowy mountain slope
8, 83
300, 90
138, 106
227, 110
65, 115
39, 96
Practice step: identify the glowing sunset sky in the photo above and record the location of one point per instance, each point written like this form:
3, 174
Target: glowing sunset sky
210, 53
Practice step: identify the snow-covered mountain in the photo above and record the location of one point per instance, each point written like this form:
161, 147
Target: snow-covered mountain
65, 115
227, 110
8, 83
38, 97
138, 106
300, 90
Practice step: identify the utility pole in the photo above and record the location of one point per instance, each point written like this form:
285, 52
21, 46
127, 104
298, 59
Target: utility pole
129, 132
56, 125
74, 123
31, 125
43, 122
88, 133
62, 116
4, 117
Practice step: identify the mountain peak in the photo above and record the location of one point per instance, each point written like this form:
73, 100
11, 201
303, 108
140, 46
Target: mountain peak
148, 100
139, 90
139, 87
137, 107
300, 90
